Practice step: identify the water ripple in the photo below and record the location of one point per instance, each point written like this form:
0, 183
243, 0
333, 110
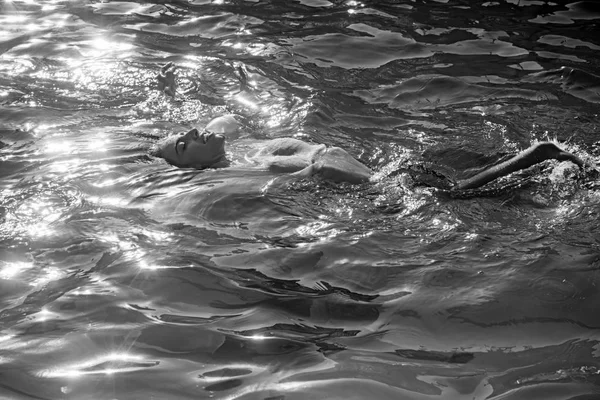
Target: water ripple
124, 277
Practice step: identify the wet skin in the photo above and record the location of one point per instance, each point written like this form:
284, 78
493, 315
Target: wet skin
194, 149
207, 148
204, 149
535, 154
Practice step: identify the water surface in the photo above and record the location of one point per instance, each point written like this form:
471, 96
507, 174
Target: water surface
122, 277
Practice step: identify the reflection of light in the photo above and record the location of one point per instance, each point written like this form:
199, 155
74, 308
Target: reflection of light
61, 146
48, 7
85, 292
259, 337
97, 145
101, 46
43, 127
123, 357
318, 229
44, 314
247, 102
65, 166
276, 118
108, 201
105, 183
256, 49
238, 45
112, 201
143, 264
398, 290
31, 28
36, 214
265, 189
39, 230
87, 368
114, 239
443, 226
12, 269
106, 45
139, 256
193, 62
312, 228
157, 236
13, 19
111, 239
51, 274
4, 338
233, 366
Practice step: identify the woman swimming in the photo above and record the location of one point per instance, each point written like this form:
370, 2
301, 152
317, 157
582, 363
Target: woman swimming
206, 148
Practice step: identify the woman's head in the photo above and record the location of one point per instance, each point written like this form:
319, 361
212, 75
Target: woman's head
192, 149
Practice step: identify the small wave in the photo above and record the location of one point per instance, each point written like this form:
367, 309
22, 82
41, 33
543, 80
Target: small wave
581, 10
210, 27
433, 91
573, 81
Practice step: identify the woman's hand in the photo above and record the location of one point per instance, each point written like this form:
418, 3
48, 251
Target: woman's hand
167, 79
535, 154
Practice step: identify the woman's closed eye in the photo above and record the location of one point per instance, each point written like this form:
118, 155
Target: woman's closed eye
184, 138
197, 135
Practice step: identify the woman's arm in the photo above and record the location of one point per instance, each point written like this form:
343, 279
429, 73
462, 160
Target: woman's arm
535, 154
338, 165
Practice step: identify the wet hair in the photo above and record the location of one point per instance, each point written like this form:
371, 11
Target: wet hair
155, 150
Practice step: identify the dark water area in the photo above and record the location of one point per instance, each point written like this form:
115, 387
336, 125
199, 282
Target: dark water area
122, 277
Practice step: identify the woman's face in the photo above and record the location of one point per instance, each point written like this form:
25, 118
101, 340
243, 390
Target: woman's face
193, 149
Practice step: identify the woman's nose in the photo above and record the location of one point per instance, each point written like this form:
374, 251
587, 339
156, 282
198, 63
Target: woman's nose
191, 133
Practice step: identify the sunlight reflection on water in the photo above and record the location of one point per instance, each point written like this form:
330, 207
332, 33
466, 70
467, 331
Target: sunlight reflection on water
109, 364
122, 276
11, 270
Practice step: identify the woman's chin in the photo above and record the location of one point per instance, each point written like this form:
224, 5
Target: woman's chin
222, 162
219, 139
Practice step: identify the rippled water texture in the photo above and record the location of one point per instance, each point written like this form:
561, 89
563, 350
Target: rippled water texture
122, 277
